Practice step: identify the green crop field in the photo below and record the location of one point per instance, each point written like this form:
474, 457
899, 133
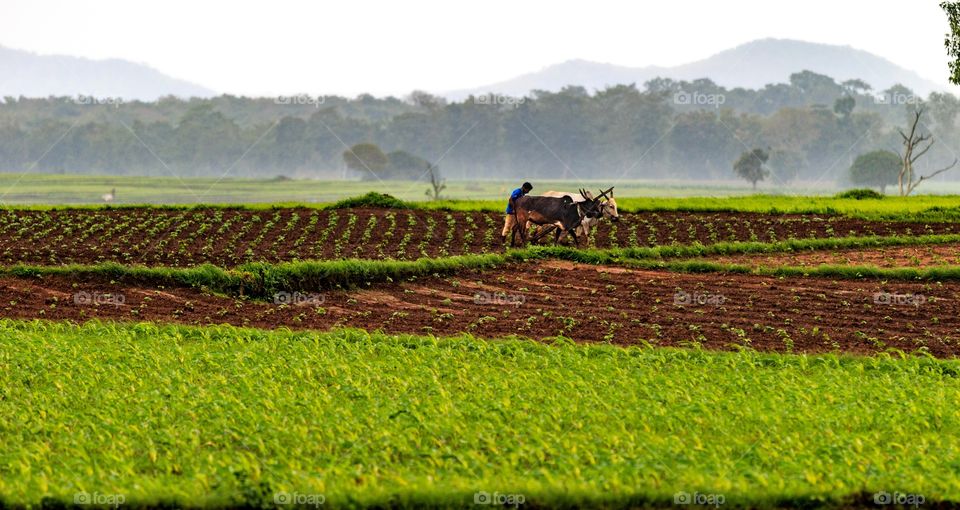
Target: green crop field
225, 416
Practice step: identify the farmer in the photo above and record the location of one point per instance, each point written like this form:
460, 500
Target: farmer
511, 217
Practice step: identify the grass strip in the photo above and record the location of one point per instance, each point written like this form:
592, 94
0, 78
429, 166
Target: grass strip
920, 208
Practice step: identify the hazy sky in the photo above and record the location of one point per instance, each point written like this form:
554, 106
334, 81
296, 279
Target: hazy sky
392, 47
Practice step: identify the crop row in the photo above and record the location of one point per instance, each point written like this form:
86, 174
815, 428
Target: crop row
228, 417
231, 237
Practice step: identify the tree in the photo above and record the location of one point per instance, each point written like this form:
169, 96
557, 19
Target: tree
205, 140
856, 86
877, 168
437, 184
750, 166
785, 164
844, 105
914, 149
952, 39
662, 86
704, 141
403, 165
289, 150
817, 88
365, 158
426, 100
944, 108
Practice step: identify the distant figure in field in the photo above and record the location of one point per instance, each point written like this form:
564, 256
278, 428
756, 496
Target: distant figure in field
110, 196
511, 217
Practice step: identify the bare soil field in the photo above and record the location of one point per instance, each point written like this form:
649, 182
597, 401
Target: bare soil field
888, 256
539, 301
230, 237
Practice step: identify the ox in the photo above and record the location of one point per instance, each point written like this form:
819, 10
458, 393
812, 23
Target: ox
608, 209
561, 212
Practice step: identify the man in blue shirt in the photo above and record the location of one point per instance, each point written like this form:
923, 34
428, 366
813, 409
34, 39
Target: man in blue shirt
511, 218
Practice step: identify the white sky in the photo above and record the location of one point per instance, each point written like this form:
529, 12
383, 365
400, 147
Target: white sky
392, 47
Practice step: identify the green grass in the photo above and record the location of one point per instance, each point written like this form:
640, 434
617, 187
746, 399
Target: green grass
913, 208
788, 246
632, 195
921, 208
262, 279
221, 416
848, 272
16, 188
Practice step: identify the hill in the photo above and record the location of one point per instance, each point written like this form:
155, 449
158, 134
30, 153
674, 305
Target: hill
23, 73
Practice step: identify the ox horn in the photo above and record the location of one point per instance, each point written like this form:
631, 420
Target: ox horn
603, 194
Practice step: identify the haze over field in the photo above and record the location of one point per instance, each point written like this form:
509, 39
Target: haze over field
630, 93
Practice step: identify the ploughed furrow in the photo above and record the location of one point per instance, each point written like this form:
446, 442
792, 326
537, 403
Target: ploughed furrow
553, 298
230, 237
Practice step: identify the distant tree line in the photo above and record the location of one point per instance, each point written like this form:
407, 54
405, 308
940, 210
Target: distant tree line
811, 128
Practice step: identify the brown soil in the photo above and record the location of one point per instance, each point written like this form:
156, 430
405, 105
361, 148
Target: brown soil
585, 303
229, 238
891, 256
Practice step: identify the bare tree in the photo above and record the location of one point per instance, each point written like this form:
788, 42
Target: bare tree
437, 185
915, 145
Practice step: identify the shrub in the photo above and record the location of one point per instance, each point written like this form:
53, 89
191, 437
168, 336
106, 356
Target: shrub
860, 194
372, 199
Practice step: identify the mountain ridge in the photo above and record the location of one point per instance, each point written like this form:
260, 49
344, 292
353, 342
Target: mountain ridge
751, 65
24, 73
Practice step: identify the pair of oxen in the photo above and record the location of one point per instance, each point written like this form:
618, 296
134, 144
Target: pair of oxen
563, 213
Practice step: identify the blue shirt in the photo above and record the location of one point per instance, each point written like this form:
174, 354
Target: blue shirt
517, 193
